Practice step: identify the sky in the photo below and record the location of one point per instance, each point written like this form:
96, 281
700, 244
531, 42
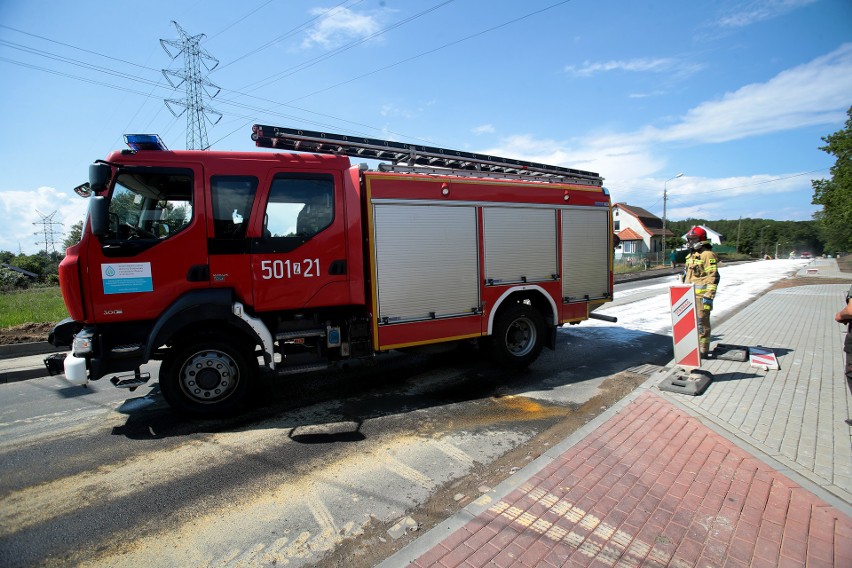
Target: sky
735, 95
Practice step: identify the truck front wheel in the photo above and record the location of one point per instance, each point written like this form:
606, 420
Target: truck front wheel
207, 377
518, 336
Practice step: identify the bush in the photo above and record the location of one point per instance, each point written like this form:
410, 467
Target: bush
12, 280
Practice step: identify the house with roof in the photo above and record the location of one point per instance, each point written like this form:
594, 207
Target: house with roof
640, 231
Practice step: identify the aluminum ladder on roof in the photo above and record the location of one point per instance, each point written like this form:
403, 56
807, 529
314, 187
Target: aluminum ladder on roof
412, 155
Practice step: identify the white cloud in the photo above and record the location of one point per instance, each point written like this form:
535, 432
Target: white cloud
391, 110
737, 196
811, 94
815, 93
21, 209
483, 129
749, 13
338, 26
642, 65
645, 95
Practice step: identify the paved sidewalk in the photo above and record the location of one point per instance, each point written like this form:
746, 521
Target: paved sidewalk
757, 471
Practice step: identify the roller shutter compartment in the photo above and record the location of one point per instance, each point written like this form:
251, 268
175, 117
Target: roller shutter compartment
427, 264
520, 245
585, 264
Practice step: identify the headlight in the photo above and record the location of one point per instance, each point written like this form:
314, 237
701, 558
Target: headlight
83, 343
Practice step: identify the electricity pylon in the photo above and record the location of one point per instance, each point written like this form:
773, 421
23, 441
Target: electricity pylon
47, 231
197, 86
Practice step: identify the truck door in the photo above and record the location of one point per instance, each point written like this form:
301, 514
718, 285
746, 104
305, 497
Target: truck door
155, 248
231, 202
299, 260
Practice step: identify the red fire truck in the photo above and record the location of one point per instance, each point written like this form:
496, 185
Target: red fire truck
223, 263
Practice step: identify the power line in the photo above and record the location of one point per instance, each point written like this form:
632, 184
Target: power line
290, 33
226, 28
682, 199
431, 51
328, 55
758, 182
73, 47
288, 104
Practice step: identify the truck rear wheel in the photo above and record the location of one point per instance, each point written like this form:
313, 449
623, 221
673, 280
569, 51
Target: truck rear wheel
207, 376
518, 336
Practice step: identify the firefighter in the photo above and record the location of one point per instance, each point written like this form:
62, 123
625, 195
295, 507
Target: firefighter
702, 272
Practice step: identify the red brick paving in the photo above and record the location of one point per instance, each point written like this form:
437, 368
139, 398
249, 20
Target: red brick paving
652, 487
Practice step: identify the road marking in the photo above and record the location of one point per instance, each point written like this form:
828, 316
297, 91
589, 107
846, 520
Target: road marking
454, 452
406, 472
617, 546
322, 515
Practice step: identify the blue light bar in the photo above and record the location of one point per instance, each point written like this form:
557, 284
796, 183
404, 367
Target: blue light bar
137, 142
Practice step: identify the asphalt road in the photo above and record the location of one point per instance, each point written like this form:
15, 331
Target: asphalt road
328, 469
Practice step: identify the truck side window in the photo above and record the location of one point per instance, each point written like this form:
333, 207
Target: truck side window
233, 197
149, 205
300, 205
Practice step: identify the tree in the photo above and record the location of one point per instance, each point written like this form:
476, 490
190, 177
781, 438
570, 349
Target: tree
835, 194
74, 235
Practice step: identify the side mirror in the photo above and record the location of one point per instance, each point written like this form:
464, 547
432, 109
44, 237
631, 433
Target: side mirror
83, 190
99, 216
99, 177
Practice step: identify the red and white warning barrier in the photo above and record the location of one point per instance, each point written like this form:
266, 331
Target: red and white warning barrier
684, 326
762, 357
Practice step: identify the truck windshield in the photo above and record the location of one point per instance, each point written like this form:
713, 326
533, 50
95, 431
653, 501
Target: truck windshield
150, 205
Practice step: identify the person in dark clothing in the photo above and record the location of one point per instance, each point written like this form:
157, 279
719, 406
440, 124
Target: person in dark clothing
844, 316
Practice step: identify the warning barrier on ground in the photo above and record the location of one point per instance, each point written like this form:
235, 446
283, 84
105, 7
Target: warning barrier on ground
730, 352
684, 326
762, 357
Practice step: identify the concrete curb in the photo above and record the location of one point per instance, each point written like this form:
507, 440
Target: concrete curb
26, 349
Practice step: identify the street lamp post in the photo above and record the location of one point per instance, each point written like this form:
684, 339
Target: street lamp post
665, 198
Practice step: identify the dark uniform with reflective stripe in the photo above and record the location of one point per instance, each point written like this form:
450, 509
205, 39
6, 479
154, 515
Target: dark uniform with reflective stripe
701, 270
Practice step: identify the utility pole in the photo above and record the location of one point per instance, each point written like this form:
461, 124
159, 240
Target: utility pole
47, 231
196, 86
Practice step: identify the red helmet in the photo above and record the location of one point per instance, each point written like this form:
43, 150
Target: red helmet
697, 233
696, 237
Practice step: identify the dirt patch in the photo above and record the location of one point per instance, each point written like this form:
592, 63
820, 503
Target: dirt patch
25, 333
806, 281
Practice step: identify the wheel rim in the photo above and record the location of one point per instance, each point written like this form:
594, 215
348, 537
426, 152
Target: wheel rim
209, 376
521, 337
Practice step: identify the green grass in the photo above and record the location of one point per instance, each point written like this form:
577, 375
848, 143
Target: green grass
37, 305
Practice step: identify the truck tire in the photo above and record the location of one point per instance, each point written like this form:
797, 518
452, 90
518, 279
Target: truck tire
207, 376
518, 336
